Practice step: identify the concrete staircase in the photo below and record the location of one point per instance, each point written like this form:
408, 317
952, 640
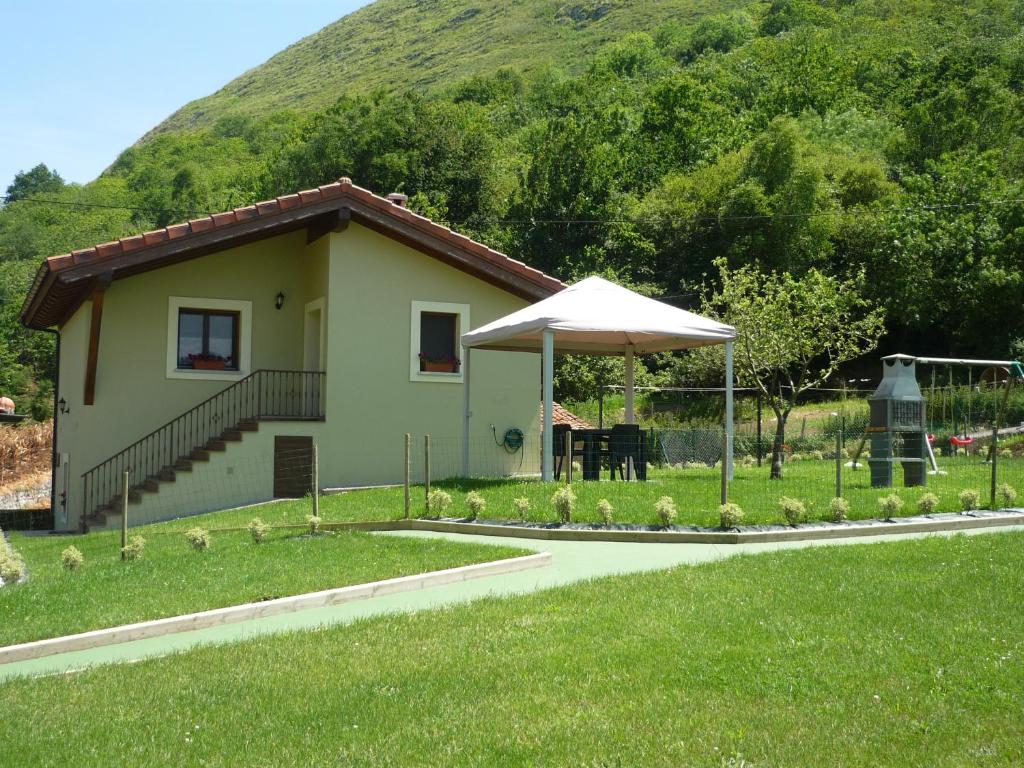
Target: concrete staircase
109, 515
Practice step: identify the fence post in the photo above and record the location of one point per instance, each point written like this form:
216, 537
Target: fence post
567, 458
839, 463
124, 513
725, 467
426, 468
408, 472
316, 481
995, 460
760, 451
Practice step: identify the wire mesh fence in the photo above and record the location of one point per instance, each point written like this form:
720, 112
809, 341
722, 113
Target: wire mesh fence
795, 483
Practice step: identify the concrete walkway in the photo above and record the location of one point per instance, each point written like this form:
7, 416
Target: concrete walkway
572, 561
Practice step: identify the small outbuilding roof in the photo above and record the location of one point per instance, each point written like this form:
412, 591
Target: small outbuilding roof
598, 317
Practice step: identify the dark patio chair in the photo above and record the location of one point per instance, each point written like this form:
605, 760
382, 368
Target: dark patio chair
627, 442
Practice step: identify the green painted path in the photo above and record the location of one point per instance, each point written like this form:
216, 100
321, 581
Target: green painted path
572, 561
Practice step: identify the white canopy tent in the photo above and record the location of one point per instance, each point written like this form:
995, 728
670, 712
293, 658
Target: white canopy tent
598, 317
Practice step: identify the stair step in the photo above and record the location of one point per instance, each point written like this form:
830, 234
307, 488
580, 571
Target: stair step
167, 474
134, 497
216, 445
248, 425
231, 435
184, 464
200, 454
151, 484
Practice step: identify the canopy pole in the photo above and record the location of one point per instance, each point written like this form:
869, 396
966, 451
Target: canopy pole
630, 386
467, 412
548, 375
728, 411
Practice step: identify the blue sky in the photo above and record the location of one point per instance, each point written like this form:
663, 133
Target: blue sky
83, 79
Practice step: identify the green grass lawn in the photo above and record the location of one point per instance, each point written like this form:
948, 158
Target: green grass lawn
173, 579
696, 492
893, 654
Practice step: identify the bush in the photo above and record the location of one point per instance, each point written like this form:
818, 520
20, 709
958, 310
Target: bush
72, 559
605, 510
1005, 453
258, 530
563, 501
314, 524
927, 503
730, 515
522, 507
792, 509
665, 507
134, 548
438, 502
476, 504
12, 567
199, 538
1007, 494
969, 499
840, 509
890, 505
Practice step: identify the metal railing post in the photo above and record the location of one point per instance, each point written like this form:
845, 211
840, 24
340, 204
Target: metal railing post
995, 465
839, 463
408, 472
124, 513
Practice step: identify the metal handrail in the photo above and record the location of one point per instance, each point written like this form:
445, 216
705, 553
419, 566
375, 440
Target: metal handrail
263, 394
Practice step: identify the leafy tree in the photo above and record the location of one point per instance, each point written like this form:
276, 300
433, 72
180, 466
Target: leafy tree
39, 180
793, 332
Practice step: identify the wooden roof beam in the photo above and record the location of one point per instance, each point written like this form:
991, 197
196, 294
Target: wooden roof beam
99, 291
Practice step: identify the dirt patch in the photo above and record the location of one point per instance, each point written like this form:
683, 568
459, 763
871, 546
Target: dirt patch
25, 453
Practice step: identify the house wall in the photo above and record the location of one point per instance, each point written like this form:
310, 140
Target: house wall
133, 394
373, 282
368, 283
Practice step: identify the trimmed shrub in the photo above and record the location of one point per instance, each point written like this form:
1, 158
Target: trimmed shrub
134, 548
314, 524
1007, 494
72, 559
199, 538
438, 501
258, 530
12, 567
840, 509
969, 499
730, 515
522, 507
792, 509
476, 504
665, 507
605, 511
1005, 453
890, 505
563, 501
927, 503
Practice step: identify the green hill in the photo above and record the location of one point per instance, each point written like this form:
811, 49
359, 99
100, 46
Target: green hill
430, 44
640, 140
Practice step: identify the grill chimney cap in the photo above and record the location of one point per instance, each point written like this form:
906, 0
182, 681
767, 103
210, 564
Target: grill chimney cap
397, 198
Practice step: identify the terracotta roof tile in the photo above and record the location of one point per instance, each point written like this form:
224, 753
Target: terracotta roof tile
246, 213
223, 219
106, 250
201, 225
155, 236
287, 202
178, 230
308, 196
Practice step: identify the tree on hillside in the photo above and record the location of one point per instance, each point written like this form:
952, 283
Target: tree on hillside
793, 332
38, 180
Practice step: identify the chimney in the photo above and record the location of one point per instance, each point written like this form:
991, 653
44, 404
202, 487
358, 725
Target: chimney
397, 198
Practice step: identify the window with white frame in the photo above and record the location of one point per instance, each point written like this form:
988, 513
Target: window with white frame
208, 338
436, 330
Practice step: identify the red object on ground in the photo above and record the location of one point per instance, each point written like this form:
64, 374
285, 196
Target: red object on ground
960, 442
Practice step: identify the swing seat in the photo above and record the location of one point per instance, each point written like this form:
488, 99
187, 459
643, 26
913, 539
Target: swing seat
961, 442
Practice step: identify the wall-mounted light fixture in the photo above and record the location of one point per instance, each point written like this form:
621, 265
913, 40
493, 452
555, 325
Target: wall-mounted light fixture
62, 405
279, 301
